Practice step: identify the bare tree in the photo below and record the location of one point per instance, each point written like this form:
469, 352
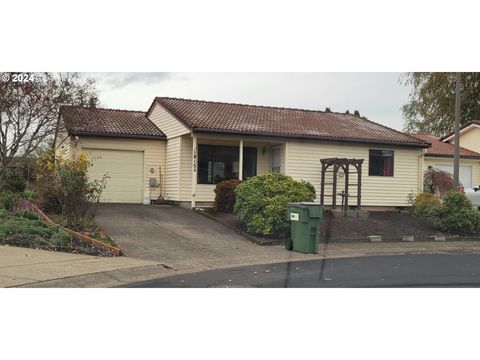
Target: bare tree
29, 111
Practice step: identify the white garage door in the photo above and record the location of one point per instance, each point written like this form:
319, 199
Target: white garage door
125, 169
465, 173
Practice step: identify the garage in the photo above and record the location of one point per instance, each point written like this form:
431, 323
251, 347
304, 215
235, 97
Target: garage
125, 171
465, 174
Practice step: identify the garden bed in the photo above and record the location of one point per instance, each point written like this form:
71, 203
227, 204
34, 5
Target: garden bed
28, 226
391, 226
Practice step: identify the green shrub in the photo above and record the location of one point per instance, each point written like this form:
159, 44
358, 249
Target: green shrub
61, 238
15, 183
261, 202
27, 215
456, 215
22, 226
424, 204
225, 195
29, 194
8, 200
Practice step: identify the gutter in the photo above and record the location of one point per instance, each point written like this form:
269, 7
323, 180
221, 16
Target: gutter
303, 137
117, 136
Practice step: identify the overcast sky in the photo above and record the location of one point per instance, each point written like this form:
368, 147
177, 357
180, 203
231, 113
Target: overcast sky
379, 96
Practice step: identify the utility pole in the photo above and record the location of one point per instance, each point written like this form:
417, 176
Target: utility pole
456, 156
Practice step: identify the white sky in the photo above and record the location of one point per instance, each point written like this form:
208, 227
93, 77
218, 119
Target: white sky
379, 96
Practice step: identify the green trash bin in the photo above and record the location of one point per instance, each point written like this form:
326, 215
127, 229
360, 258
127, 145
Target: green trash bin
305, 219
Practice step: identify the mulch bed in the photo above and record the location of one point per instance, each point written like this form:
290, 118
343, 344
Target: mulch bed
388, 224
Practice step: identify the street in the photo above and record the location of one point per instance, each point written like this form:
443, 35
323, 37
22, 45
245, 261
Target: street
438, 270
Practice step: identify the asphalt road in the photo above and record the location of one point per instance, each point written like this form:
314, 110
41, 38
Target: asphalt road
439, 270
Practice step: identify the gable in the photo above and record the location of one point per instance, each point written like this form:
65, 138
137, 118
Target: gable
168, 123
469, 139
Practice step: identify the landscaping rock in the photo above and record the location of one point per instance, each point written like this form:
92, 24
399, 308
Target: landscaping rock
375, 238
408, 238
438, 237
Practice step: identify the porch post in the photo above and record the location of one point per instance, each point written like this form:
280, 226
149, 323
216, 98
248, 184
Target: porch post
194, 169
240, 161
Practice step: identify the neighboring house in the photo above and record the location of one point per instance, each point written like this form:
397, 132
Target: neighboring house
189, 145
440, 156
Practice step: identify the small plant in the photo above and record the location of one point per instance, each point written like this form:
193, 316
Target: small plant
425, 204
225, 195
61, 239
261, 202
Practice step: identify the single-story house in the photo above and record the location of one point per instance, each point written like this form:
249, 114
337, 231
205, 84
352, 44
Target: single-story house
179, 149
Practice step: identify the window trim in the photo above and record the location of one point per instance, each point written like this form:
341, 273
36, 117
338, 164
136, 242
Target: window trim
393, 163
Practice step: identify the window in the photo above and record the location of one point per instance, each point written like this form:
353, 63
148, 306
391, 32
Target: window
380, 163
218, 163
276, 159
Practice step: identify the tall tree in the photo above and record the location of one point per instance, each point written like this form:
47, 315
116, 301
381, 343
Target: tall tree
29, 110
431, 107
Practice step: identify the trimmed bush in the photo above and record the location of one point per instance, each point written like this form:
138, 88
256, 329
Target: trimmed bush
425, 204
225, 195
261, 202
456, 215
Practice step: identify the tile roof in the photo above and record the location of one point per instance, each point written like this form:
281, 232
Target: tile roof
88, 121
209, 116
443, 149
473, 122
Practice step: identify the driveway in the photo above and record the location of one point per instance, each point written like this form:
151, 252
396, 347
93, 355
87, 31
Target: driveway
181, 238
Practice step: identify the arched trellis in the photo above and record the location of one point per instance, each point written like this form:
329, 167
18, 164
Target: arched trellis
336, 164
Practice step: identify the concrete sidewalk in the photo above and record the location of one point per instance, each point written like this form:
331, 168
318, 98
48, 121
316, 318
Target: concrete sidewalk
21, 266
39, 268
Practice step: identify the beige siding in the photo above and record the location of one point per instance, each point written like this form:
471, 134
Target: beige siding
470, 139
303, 162
154, 157
172, 171
167, 122
475, 164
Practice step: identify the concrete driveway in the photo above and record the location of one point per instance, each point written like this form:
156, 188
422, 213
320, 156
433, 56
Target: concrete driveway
181, 238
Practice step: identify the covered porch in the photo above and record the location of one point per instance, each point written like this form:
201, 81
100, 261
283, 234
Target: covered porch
218, 158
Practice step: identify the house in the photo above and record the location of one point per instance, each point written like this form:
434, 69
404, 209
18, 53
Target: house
440, 156
181, 148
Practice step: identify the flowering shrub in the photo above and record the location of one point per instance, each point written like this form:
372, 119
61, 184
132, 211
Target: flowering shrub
438, 182
65, 188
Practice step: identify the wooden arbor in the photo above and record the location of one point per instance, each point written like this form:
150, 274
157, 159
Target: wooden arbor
344, 164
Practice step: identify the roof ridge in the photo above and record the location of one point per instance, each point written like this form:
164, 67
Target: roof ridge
101, 108
258, 106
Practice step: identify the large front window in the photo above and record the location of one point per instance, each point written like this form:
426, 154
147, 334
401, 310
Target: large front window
218, 163
380, 163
